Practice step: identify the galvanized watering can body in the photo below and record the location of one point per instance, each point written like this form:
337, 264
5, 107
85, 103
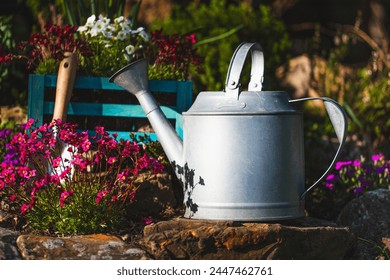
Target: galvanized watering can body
242, 157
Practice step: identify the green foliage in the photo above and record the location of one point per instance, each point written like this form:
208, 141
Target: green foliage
10, 75
369, 99
216, 18
77, 12
47, 66
81, 215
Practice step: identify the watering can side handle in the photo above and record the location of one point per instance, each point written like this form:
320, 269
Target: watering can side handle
236, 64
339, 120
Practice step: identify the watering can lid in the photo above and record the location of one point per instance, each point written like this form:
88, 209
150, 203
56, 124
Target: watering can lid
253, 101
248, 103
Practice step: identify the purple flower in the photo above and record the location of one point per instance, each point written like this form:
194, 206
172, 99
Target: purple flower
329, 185
380, 169
342, 164
368, 169
331, 178
358, 190
4, 133
11, 157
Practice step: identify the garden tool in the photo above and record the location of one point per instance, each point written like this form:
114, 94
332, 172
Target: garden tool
65, 82
242, 157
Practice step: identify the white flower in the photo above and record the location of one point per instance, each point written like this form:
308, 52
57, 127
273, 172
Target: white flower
119, 19
126, 57
110, 28
121, 35
82, 29
105, 20
108, 34
139, 29
125, 26
100, 26
144, 35
90, 21
93, 32
130, 49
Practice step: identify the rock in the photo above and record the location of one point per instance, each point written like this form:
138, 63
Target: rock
8, 248
368, 217
155, 197
87, 247
199, 239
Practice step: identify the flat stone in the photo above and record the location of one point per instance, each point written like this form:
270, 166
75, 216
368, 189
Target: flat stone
8, 248
85, 247
368, 217
305, 238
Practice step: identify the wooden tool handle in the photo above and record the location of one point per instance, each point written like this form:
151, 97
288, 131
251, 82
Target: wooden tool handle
65, 83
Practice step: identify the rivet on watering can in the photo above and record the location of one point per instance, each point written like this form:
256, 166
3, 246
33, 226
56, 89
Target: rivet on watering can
232, 83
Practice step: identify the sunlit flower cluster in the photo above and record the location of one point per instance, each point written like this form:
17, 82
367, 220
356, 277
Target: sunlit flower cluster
99, 176
122, 30
359, 176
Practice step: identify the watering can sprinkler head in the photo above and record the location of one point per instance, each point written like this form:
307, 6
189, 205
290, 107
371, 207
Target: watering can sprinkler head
133, 77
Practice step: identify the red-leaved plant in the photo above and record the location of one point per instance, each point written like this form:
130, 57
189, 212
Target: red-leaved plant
48, 46
87, 193
172, 55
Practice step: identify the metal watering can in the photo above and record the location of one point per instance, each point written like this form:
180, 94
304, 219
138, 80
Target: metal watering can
242, 157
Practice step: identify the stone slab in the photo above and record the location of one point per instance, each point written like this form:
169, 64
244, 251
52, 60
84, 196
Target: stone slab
305, 238
87, 247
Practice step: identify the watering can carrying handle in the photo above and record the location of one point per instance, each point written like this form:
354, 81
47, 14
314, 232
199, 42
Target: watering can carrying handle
235, 67
339, 121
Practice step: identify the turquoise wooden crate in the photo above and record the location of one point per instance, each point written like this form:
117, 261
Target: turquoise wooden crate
38, 106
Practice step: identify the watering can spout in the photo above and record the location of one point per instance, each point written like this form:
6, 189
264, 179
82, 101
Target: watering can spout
134, 79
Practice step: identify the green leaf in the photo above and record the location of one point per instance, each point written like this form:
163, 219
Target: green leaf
353, 116
220, 37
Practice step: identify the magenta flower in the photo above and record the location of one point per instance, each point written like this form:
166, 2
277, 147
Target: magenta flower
4, 133
148, 220
102, 170
342, 164
24, 209
378, 157
64, 196
112, 160
356, 163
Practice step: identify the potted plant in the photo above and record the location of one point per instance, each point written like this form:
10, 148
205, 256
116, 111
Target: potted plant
104, 46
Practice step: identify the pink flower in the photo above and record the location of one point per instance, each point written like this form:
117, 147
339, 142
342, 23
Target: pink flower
378, 157
112, 160
24, 209
121, 176
86, 145
356, 163
342, 164
148, 220
56, 162
143, 161
100, 195
64, 196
